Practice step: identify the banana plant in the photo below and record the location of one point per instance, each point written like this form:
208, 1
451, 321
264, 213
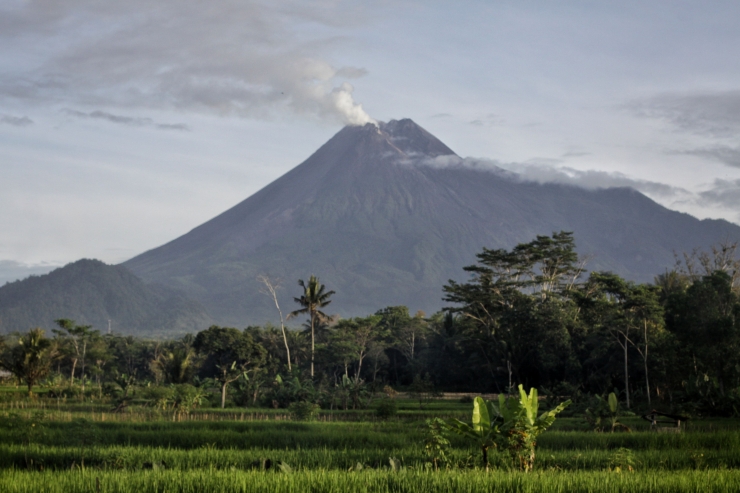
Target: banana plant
512, 425
606, 410
482, 429
521, 425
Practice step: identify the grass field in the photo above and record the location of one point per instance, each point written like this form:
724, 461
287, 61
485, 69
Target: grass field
47, 445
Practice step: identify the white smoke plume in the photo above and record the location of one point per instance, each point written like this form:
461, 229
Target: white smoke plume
251, 58
344, 104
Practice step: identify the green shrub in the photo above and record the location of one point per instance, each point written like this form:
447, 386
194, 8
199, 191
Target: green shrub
303, 411
386, 408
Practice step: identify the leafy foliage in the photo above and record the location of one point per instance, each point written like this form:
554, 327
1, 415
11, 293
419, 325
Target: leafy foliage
606, 414
303, 411
512, 425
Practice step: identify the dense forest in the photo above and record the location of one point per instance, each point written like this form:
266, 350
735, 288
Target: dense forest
530, 315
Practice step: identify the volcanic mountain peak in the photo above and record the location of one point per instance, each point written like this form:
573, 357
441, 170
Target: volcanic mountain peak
380, 228
411, 139
395, 139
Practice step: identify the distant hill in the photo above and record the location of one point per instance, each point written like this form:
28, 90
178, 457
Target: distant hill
378, 224
92, 293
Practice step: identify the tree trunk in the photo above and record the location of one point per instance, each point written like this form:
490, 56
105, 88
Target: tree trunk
285, 339
312, 342
271, 288
413, 343
72, 374
626, 375
485, 457
644, 359
84, 350
223, 394
359, 369
647, 384
508, 367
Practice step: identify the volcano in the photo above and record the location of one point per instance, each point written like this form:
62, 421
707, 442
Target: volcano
386, 214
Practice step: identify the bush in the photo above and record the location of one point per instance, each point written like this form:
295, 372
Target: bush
159, 397
303, 411
187, 397
386, 408
68, 392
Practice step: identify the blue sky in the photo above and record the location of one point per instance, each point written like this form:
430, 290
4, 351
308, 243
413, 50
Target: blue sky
125, 124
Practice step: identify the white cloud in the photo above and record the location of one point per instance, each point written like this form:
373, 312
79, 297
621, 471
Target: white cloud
13, 271
548, 171
221, 56
724, 193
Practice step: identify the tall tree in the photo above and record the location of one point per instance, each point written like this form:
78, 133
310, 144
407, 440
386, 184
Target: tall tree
75, 339
270, 288
706, 321
603, 300
515, 299
313, 299
31, 359
645, 315
352, 339
230, 354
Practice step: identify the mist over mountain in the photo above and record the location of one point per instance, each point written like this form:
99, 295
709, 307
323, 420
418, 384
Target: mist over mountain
93, 293
370, 215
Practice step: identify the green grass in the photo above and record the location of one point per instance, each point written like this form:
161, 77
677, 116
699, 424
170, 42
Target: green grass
368, 481
137, 457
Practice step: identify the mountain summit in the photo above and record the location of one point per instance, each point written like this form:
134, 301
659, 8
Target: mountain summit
386, 214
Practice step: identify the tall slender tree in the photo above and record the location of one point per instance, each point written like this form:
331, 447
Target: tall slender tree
314, 298
271, 288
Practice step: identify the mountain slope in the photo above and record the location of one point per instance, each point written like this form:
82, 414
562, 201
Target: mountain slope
92, 293
372, 214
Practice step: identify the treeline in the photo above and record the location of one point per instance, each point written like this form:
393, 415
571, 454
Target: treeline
527, 315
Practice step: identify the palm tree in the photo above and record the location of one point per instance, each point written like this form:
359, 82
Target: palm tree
313, 299
176, 365
31, 359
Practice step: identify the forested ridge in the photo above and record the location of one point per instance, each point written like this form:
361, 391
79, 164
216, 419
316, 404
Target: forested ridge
94, 293
530, 315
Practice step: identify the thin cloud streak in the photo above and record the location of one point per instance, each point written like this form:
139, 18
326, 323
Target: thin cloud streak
125, 120
723, 154
16, 121
714, 114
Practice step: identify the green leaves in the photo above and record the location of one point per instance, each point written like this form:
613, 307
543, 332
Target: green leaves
529, 405
513, 425
481, 420
613, 403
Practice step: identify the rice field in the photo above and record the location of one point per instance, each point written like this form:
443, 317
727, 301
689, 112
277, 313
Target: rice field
73, 448
369, 481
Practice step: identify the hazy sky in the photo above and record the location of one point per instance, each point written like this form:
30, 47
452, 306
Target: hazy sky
125, 124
